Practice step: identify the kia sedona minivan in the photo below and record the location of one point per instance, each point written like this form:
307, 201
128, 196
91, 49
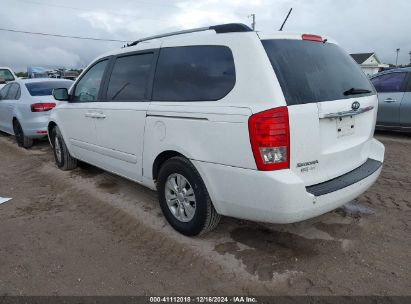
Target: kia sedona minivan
271, 127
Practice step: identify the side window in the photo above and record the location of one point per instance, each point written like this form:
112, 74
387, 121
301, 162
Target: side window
4, 91
392, 82
18, 94
130, 77
409, 83
13, 91
89, 85
194, 73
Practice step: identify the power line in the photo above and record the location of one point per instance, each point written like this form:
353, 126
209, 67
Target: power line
92, 10
62, 36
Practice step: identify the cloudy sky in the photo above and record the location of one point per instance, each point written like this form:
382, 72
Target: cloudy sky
358, 25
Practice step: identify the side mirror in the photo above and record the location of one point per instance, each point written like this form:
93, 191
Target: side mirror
2, 81
61, 94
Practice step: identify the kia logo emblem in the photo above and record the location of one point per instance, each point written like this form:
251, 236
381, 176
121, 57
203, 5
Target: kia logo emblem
355, 105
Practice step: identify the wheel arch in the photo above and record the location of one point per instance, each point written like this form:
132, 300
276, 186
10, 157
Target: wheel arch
161, 159
51, 125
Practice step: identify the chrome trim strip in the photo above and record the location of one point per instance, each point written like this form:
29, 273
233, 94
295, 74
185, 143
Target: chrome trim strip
177, 117
347, 113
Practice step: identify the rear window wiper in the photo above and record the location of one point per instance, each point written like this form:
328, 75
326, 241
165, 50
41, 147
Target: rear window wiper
354, 91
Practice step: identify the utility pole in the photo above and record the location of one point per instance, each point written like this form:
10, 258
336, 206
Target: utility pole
410, 56
396, 60
253, 23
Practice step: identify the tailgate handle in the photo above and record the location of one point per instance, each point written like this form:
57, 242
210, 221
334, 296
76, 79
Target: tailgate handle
347, 113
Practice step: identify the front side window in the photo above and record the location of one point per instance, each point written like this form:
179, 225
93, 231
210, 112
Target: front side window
194, 73
88, 87
130, 77
389, 82
6, 75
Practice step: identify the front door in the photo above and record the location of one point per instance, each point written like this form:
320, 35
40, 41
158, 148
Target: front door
390, 88
79, 115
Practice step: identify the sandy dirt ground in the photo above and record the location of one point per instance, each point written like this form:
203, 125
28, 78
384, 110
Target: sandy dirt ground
88, 232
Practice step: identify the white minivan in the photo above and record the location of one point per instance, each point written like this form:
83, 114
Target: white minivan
223, 120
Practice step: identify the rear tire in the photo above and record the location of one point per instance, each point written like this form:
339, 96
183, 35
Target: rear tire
21, 139
61, 154
197, 218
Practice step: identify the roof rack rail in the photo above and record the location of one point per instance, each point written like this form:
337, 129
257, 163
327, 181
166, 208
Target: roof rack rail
219, 29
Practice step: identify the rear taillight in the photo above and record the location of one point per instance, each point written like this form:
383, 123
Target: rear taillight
42, 107
312, 37
270, 139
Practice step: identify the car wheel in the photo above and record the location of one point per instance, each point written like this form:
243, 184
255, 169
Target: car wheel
61, 154
21, 139
184, 199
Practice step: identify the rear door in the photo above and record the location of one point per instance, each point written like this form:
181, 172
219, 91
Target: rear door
332, 107
7, 107
4, 107
120, 126
390, 88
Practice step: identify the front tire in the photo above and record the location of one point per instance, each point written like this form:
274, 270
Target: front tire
61, 154
21, 139
184, 199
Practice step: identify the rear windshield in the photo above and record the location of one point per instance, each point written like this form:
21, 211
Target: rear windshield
45, 88
311, 72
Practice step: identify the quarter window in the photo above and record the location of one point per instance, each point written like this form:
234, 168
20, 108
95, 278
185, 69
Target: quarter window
88, 87
130, 77
13, 91
389, 82
194, 73
4, 91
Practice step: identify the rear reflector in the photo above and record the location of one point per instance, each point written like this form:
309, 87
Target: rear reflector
312, 37
270, 139
41, 132
42, 107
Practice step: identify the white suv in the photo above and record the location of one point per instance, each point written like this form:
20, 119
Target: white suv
271, 127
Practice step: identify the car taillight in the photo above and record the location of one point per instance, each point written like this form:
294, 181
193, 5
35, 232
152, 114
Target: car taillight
270, 139
42, 107
312, 37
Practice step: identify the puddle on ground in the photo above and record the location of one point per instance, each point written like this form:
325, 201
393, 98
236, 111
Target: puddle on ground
86, 170
340, 231
110, 186
269, 251
355, 209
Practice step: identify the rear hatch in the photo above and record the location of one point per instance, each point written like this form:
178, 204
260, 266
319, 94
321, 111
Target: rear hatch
332, 106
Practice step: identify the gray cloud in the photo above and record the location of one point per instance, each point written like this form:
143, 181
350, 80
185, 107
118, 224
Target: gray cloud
358, 25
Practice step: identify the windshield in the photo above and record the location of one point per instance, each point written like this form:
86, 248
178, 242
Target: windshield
6, 75
45, 88
311, 72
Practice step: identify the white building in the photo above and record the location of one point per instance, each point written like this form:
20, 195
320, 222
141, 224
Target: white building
369, 63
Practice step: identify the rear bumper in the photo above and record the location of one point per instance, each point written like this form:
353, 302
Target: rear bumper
281, 196
36, 127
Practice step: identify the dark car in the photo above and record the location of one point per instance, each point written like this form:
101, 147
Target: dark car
394, 99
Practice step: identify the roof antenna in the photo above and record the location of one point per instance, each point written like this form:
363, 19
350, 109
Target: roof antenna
286, 18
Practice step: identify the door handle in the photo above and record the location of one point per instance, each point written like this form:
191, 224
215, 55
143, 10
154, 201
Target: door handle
389, 100
99, 115
95, 115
